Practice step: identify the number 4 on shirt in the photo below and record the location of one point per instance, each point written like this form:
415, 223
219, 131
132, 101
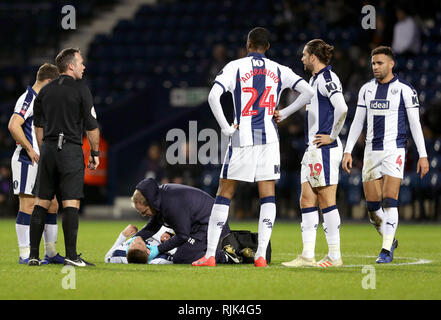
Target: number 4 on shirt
263, 103
399, 161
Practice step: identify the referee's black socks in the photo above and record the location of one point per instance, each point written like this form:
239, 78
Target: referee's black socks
70, 230
36, 229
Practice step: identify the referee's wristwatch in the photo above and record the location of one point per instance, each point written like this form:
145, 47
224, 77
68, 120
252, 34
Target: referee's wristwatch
94, 153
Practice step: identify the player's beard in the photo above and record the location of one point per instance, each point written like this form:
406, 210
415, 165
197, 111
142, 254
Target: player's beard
308, 67
380, 75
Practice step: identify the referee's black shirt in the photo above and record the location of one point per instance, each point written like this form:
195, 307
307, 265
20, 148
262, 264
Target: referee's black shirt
65, 105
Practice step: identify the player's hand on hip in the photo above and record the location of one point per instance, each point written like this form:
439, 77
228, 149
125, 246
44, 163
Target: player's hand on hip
277, 116
229, 131
347, 162
34, 156
93, 163
423, 166
322, 140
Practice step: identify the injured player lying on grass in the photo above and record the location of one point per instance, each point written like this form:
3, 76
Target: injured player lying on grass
130, 249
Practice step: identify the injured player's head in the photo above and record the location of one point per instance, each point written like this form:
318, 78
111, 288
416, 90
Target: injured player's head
138, 251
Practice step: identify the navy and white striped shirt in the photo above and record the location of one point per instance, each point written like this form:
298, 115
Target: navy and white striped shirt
256, 84
386, 106
25, 109
319, 115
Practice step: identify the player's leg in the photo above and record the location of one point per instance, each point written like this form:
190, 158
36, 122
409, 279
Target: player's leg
391, 188
331, 225
50, 235
373, 194
310, 220
218, 219
267, 217
22, 225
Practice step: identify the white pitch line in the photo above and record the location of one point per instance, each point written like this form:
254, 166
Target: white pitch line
415, 262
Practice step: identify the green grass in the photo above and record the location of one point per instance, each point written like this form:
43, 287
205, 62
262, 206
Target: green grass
360, 245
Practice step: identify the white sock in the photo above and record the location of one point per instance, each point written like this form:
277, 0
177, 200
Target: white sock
50, 235
331, 225
267, 217
22, 229
310, 220
391, 225
376, 216
218, 218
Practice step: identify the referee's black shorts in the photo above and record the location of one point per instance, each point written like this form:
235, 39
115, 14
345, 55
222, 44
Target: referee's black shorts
60, 172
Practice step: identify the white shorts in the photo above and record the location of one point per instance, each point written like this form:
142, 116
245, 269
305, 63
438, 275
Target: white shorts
320, 167
252, 163
383, 162
23, 177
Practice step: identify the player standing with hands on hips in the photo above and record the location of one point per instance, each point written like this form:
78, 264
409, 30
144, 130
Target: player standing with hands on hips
385, 102
24, 164
253, 152
61, 110
324, 119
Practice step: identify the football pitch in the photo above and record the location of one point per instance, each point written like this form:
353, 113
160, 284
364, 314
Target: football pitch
414, 274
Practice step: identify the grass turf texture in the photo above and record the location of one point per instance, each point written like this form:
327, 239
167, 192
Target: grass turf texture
360, 245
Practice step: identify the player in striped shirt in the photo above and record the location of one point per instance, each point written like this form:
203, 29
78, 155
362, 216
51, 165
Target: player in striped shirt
385, 102
24, 164
256, 83
324, 119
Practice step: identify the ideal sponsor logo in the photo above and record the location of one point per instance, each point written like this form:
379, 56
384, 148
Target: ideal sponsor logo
379, 104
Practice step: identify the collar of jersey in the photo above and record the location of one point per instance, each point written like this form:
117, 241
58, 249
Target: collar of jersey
32, 90
256, 55
328, 67
390, 81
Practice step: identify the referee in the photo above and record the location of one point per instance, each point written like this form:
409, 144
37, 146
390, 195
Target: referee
62, 110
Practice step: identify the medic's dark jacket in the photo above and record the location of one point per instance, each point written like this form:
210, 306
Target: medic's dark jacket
184, 209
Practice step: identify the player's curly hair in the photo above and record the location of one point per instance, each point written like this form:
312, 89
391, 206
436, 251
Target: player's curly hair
320, 49
137, 256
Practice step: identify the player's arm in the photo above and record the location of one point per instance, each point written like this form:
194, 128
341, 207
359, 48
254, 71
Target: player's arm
340, 111
16, 130
354, 133
149, 229
182, 227
129, 231
39, 118
216, 107
413, 116
306, 93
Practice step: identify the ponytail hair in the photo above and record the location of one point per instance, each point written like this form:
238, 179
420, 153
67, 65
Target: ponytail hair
320, 49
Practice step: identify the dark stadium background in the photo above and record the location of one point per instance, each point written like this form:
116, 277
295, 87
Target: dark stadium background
165, 45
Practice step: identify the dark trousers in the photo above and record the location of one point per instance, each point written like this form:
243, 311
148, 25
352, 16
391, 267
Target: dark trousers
196, 246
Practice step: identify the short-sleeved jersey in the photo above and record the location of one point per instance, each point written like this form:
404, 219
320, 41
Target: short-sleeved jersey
65, 105
25, 109
256, 84
386, 116
319, 115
